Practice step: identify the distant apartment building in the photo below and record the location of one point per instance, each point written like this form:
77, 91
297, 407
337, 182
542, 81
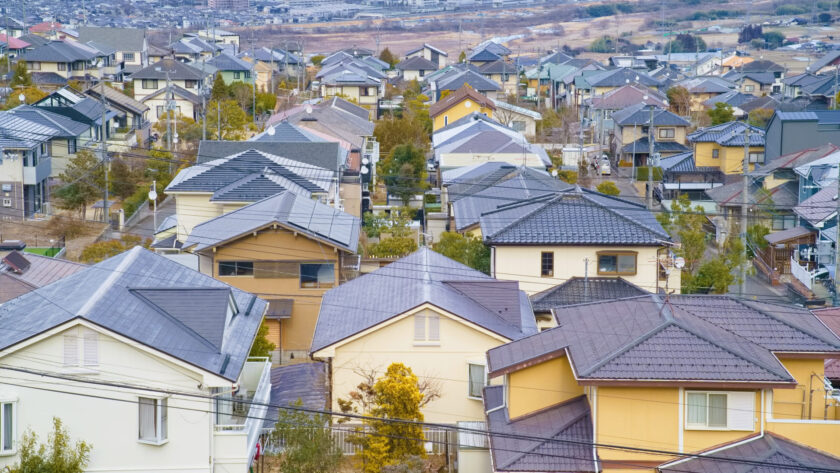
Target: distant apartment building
228, 4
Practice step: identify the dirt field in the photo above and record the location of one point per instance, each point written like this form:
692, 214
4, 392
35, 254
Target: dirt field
39, 233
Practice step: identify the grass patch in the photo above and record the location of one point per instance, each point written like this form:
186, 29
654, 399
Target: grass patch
50, 252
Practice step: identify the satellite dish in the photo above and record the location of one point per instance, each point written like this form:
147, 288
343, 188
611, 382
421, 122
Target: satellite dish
308, 108
270, 131
365, 161
679, 262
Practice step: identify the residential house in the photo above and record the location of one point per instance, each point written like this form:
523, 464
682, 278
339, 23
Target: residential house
827, 63
184, 82
455, 76
795, 85
132, 124
734, 62
192, 48
232, 69
129, 44
430, 53
699, 383
682, 176
280, 60
21, 273
459, 104
210, 189
12, 26
476, 138
772, 208
504, 73
221, 37
722, 146
446, 317
760, 77
545, 80
704, 88
521, 119
25, 168
83, 109
788, 132
353, 79
545, 240
632, 133
415, 68
734, 99
490, 186
70, 135
594, 83
580, 290
600, 109
66, 59
782, 169
13, 46
171, 344
488, 52
287, 248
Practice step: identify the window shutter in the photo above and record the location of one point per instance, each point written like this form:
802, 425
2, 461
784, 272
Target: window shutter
434, 327
91, 354
419, 327
71, 349
740, 412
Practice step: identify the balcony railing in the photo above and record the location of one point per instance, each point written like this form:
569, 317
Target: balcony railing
246, 413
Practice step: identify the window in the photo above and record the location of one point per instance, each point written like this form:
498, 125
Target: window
749, 88
191, 84
422, 73
81, 348
445, 120
152, 420
666, 133
276, 269
427, 328
150, 84
616, 263
547, 264
34, 66
706, 410
78, 65
62, 66
236, 268
518, 125
317, 275
237, 75
757, 157
247, 74
7, 427
159, 111
363, 91
71, 146
128, 57
715, 153
478, 379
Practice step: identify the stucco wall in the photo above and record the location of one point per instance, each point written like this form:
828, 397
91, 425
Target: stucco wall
541, 386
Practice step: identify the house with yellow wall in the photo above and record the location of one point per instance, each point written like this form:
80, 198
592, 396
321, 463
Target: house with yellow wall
358, 81
433, 314
704, 88
67, 59
459, 104
503, 73
546, 240
287, 248
722, 379
722, 146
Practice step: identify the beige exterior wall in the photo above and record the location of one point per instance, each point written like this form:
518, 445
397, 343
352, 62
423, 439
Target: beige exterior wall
541, 386
353, 93
185, 107
445, 363
280, 244
457, 160
140, 92
411, 75
522, 263
630, 134
193, 209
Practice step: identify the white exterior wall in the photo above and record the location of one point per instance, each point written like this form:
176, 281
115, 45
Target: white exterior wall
457, 160
111, 426
445, 364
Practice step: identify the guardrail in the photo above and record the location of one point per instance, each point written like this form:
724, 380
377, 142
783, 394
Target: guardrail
801, 274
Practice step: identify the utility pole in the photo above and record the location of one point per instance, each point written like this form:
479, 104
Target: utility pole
836, 246
745, 199
253, 81
650, 160
104, 151
168, 108
219, 120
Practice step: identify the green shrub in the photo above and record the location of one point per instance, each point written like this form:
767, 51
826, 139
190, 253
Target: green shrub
642, 173
133, 202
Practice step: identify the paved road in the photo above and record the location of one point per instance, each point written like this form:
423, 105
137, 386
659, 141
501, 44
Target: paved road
145, 225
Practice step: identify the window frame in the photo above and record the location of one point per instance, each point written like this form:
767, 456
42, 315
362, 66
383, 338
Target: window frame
749, 88
669, 131
754, 157
13, 449
237, 75
617, 253
318, 284
716, 153
705, 425
161, 415
82, 355
470, 366
236, 269
128, 57
426, 339
33, 66
543, 272
153, 82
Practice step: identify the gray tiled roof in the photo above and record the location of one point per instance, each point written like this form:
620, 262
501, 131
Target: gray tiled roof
148, 298
574, 217
702, 338
468, 77
226, 62
783, 455
555, 440
300, 214
639, 114
416, 63
820, 206
642, 145
285, 132
177, 70
423, 277
733, 97
19, 132
115, 97
120, 39
467, 180
304, 382
728, 134
706, 85
579, 290
66, 127
251, 175
498, 67
327, 155
42, 270
683, 162
59, 51
619, 77
509, 184
783, 196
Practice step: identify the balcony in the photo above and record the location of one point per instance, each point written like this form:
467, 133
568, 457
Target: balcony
239, 418
32, 175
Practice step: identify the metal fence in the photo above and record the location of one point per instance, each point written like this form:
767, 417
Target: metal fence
438, 441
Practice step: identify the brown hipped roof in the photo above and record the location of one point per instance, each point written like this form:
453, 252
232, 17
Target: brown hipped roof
456, 97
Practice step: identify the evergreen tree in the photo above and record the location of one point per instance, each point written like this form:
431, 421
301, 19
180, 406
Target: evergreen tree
220, 90
20, 76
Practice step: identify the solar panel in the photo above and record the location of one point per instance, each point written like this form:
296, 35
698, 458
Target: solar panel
17, 262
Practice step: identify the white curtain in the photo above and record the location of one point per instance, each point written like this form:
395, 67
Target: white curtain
476, 380
696, 409
147, 419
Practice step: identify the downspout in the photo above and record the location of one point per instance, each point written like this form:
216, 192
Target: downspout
212, 415
681, 420
595, 427
761, 414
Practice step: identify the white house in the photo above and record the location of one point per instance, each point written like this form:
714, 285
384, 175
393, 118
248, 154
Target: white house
141, 357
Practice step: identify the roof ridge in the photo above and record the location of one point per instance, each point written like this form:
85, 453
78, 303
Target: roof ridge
614, 211
496, 314
109, 282
174, 319
631, 344
548, 198
768, 314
